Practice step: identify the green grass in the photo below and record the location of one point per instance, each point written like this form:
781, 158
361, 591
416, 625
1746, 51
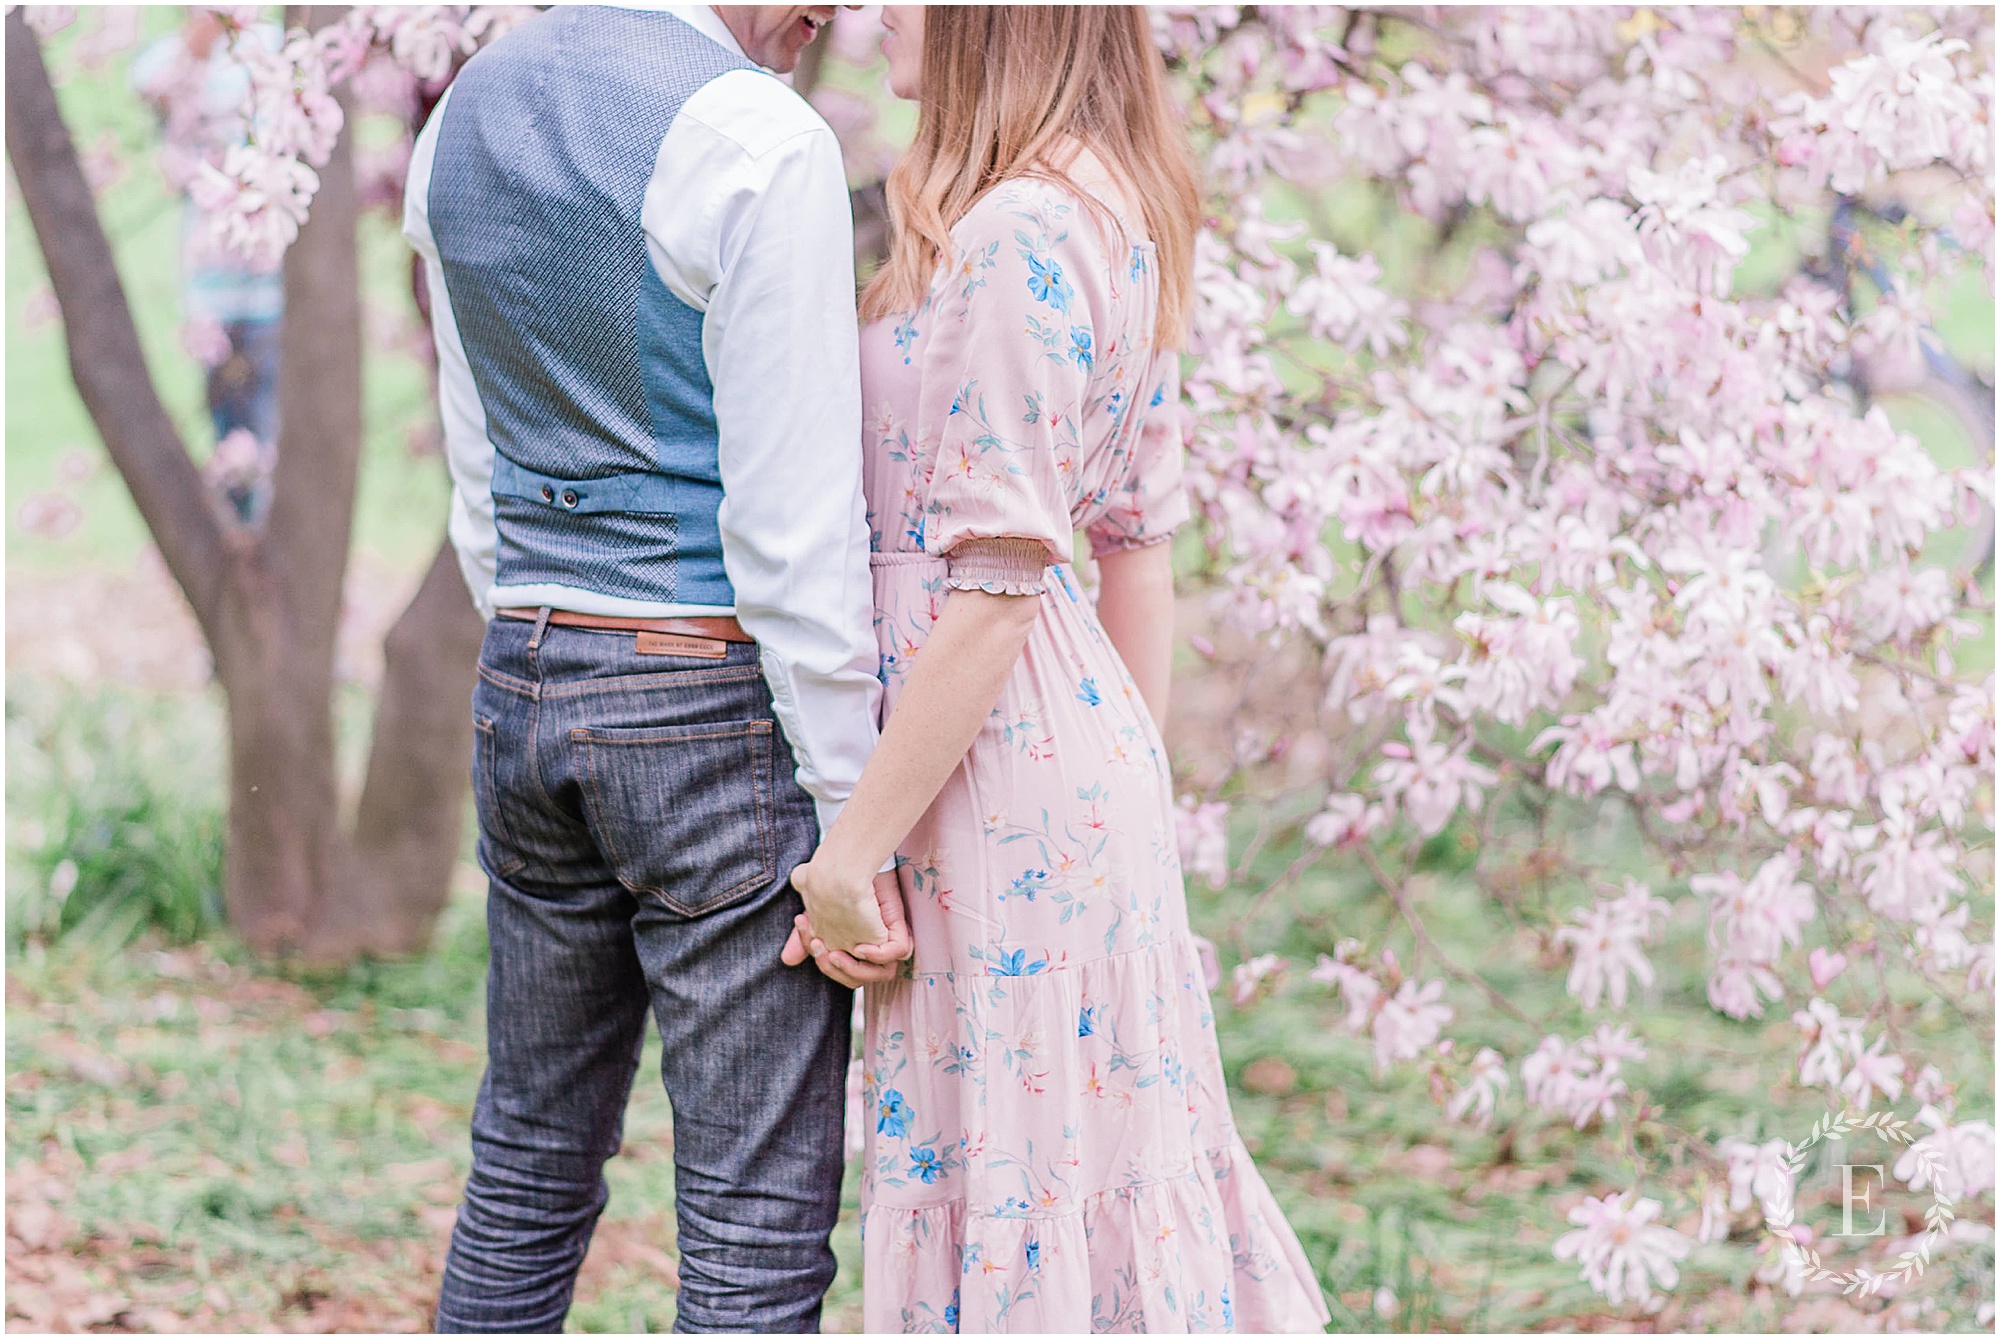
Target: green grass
99, 848
195, 1141
1458, 1223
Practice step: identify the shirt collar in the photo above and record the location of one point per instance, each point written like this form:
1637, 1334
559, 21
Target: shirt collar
702, 18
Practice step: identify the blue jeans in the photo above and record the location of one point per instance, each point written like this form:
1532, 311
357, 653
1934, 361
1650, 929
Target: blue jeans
637, 821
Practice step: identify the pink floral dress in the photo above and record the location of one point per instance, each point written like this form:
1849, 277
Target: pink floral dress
1049, 1145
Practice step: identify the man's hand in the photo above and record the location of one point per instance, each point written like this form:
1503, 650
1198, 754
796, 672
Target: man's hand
869, 964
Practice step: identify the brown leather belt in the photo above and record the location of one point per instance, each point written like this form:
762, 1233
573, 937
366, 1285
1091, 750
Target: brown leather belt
703, 638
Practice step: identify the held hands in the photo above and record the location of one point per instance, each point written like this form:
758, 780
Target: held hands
856, 934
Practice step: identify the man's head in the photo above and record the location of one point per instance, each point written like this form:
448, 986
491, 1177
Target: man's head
774, 35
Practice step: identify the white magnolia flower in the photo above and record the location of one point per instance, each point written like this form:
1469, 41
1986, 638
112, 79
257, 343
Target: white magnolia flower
1409, 1021
1756, 1171
1624, 1253
1480, 1092
1248, 976
1960, 1156
1607, 941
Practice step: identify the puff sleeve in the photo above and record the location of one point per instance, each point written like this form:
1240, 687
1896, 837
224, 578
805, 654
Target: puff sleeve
1006, 376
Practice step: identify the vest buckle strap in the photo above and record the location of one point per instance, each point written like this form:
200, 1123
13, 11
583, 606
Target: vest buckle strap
645, 493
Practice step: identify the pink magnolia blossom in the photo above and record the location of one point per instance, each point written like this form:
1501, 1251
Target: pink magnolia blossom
1624, 1253
1956, 1156
1341, 302
1431, 778
1749, 924
1251, 978
1479, 1094
255, 202
1606, 944
1345, 820
1873, 1071
1408, 1021
1757, 1173
1829, 1040
1580, 1080
1357, 988
1204, 840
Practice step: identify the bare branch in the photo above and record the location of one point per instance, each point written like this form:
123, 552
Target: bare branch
1400, 895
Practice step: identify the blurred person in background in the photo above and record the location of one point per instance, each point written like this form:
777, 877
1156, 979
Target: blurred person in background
231, 312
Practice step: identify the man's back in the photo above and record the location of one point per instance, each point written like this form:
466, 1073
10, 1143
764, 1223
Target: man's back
588, 368
648, 379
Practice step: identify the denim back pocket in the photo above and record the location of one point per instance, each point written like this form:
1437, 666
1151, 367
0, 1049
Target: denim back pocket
496, 851
683, 812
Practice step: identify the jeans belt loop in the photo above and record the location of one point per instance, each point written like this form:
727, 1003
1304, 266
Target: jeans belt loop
541, 626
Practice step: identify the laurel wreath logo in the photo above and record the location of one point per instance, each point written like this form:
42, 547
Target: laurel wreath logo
1861, 1281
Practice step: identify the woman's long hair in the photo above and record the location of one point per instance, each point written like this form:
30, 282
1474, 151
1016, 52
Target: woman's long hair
1004, 86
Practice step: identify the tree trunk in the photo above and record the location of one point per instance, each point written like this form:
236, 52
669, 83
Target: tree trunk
412, 805
276, 661
283, 855
269, 602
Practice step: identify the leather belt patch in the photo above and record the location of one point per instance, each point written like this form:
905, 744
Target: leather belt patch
674, 644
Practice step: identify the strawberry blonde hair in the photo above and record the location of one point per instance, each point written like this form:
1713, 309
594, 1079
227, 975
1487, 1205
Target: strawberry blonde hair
1008, 90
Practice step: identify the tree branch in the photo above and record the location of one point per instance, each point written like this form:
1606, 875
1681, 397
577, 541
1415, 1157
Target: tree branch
1400, 896
319, 386
413, 802
105, 357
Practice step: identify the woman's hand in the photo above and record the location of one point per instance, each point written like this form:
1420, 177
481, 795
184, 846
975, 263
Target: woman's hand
830, 899
952, 688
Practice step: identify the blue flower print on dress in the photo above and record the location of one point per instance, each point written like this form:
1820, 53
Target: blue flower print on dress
1079, 346
1034, 1253
1026, 884
906, 333
1046, 282
892, 1114
1086, 693
1086, 1021
1015, 964
925, 1165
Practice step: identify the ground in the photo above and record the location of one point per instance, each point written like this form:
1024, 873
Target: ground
196, 1141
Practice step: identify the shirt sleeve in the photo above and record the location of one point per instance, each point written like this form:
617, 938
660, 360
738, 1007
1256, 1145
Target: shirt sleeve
1152, 502
1005, 377
468, 450
747, 219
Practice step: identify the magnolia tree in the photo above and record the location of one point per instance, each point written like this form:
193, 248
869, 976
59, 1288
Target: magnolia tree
1574, 516
1571, 513
268, 596
277, 181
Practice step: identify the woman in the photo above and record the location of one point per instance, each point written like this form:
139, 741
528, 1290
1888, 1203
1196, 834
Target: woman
1049, 1145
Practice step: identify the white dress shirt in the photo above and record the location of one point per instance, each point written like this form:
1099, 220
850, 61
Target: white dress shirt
747, 220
